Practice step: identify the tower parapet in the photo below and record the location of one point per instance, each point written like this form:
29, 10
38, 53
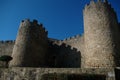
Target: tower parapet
6, 47
99, 3
72, 38
30, 46
7, 41
101, 30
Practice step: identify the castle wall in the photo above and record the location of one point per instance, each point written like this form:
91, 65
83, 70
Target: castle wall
6, 48
69, 56
53, 73
101, 32
30, 46
78, 43
98, 47
62, 55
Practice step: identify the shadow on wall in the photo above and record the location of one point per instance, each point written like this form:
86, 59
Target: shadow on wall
116, 44
63, 56
117, 73
62, 76
119, 26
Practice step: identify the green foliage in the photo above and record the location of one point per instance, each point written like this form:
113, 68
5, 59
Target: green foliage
5, 58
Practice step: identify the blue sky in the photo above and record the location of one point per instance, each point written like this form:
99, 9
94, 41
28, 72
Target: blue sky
61, 18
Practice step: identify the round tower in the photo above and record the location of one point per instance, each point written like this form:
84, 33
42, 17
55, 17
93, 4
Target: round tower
30, 45
100, 35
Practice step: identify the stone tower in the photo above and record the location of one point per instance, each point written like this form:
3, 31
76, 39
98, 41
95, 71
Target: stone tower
30, 46
100, 35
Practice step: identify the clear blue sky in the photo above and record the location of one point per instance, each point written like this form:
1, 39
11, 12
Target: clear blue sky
62, 18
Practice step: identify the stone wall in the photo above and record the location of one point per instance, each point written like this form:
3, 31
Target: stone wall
100, 35
17, 73
98, 47
68, 50
117, 73
62, 55
78, 43
6, 48
30, 46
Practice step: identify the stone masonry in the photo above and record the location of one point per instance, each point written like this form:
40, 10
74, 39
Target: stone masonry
97, 50
30, 46
101, 35
97, 47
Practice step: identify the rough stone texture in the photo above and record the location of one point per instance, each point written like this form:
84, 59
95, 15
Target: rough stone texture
6, 48
98, 48
100, 35
30, 46
37, 73
78, 43
62, 55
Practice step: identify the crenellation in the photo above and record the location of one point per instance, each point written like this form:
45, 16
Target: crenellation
30, 33
94, 4
46, 32
78, 36
106, 1
2, 41
22, 21
7, 41
41, 24
54, 41
100, 26
74, 49
97, 48
72, 38
44, 29
99, 0
92, 1
68, 46
87, 6
35, 21
26, 20
61, 43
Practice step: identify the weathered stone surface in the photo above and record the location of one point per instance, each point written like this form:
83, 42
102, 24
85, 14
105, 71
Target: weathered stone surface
101, 35
16, 73
98, 48
78, 43
62, 55
6, 48
30, 46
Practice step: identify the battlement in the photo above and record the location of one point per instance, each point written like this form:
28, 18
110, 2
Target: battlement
118, 23
72, 38
7, 41
99, 3
119, 26
34, 23
103, 1
99, 18
64, 45
65, 42
94, 49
